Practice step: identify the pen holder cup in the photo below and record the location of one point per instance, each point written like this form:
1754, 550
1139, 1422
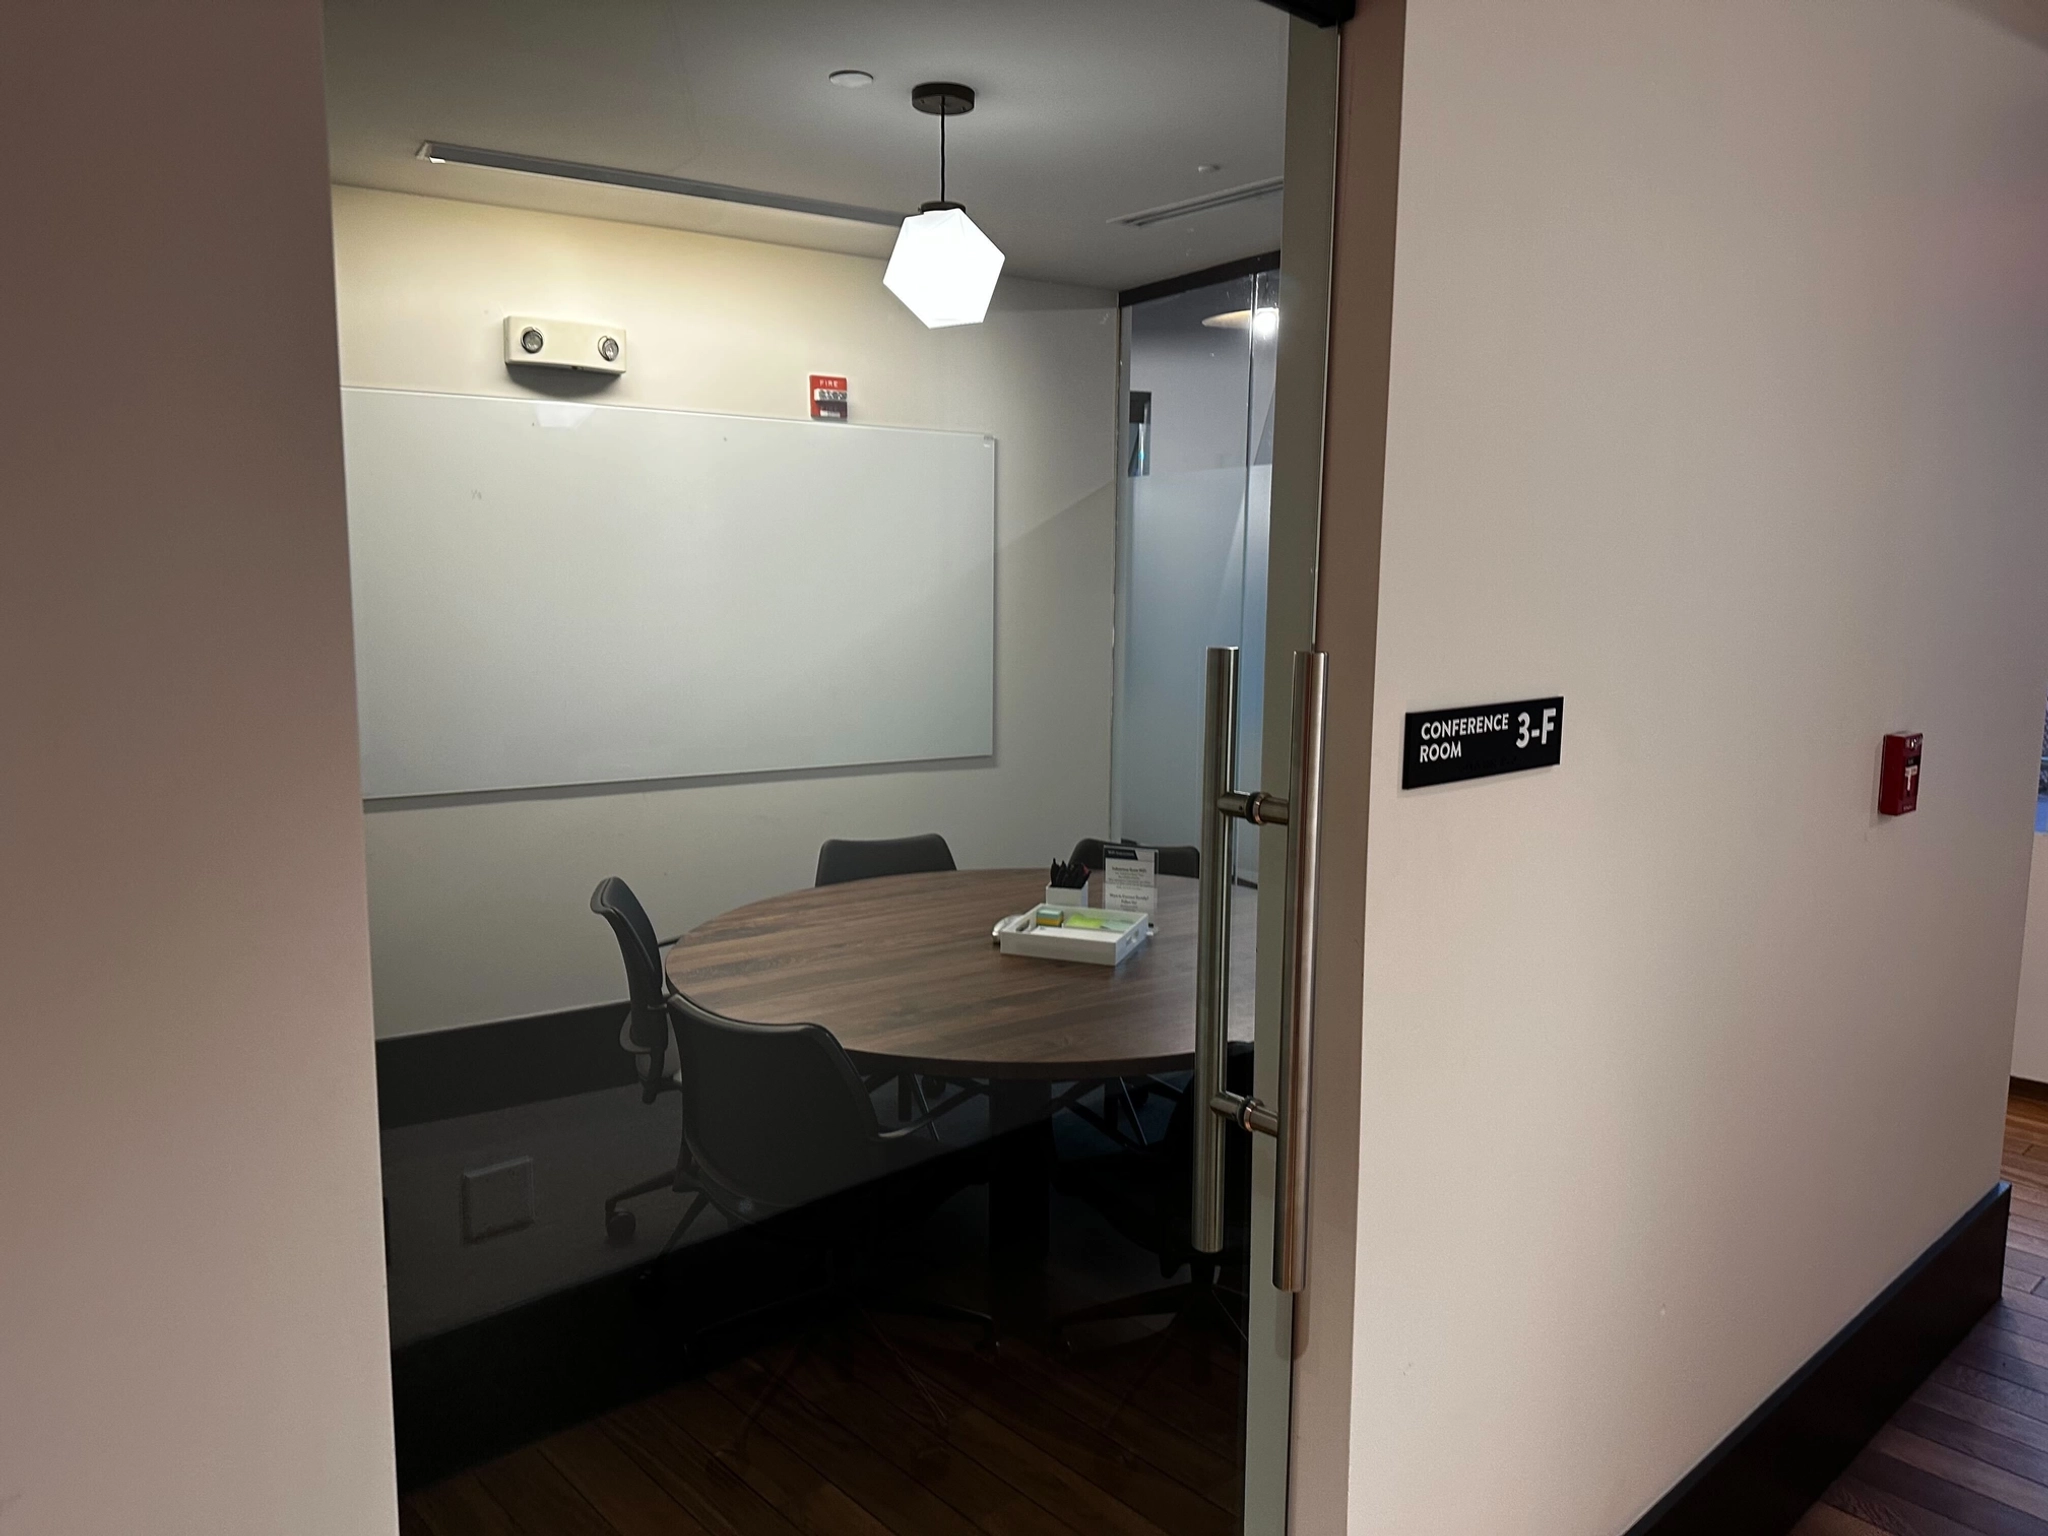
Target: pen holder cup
1066, 897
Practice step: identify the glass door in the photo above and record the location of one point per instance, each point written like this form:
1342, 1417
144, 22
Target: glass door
1196, 506
788, 664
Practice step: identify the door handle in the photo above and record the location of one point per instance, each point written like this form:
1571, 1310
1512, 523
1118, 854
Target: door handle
1217, 872
1223, 806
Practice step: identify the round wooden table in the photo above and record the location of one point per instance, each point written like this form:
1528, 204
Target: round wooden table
904, 973
903, 969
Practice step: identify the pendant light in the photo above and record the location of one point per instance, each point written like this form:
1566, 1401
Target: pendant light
944, 268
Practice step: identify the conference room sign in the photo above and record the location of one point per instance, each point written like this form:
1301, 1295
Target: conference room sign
1477, 741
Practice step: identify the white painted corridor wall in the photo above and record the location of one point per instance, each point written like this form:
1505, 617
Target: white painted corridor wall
1718, 370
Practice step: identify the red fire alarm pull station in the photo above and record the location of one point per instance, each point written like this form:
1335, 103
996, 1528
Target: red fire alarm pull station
828, 397
1898, 782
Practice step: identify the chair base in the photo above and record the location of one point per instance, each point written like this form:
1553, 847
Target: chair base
619, 1225
1198, 1300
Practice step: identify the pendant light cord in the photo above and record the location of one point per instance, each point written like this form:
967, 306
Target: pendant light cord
943, 115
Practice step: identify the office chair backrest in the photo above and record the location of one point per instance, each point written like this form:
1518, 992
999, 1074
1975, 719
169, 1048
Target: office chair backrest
846, 858
614, 901
1182, 860
775, 1114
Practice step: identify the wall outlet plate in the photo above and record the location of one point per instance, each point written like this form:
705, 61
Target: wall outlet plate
497, 1199
532, 342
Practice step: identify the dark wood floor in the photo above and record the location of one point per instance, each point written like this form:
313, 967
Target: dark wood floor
1969, 1453
896, 1427
878, 1425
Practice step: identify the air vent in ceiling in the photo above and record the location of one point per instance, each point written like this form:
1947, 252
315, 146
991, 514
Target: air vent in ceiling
1223, 199
434, 152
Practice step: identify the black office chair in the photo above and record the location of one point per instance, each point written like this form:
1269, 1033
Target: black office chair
845, 858
646, 1035
777, 1118
841, 859
1179, 860
779, 1124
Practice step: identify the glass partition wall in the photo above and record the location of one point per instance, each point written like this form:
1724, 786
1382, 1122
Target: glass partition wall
787, 1120
1195, 501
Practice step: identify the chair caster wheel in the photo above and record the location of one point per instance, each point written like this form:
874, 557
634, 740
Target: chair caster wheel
618, 1227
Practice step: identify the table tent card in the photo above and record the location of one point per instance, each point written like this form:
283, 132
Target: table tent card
1130, 879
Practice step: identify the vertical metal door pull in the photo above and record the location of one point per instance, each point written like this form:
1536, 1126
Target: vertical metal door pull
1223, 806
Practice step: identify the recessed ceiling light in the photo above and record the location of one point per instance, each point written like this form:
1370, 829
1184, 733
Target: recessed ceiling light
852, 79
1207, 170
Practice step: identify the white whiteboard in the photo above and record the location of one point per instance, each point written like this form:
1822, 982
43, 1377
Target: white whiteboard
549, 593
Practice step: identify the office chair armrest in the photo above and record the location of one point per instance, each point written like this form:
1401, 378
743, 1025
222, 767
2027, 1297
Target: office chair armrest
944, 1107
648, 1064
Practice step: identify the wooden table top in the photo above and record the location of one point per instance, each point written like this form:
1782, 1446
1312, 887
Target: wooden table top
904, 968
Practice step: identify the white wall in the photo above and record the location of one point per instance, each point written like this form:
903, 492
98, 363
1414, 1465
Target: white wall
479, 906
1719, 368
2030, 1025
192, 1329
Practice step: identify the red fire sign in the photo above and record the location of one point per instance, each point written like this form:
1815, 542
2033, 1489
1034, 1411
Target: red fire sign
828, 397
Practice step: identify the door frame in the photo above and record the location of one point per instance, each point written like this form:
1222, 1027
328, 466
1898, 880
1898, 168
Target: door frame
1337, 269
1297, 1430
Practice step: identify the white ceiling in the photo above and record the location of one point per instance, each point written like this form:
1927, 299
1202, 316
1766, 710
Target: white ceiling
1089, 109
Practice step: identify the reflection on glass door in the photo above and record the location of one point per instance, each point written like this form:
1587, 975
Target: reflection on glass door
784, 738
1197, 498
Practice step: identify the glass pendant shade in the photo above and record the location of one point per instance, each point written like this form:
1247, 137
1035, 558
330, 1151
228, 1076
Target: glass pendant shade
944, 269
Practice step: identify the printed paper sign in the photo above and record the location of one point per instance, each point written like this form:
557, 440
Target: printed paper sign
1130, 879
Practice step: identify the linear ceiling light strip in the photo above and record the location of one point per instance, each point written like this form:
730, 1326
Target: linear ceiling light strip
649, 181
1223, 199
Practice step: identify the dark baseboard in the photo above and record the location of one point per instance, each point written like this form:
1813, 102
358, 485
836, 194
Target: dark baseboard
1769, 1472
2027, 1088
483, 1067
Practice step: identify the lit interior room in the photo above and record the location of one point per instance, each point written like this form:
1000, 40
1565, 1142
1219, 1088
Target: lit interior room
1024, 767
798, 458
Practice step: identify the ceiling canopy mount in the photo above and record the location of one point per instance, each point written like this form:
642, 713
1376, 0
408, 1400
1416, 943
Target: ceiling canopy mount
943, 98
